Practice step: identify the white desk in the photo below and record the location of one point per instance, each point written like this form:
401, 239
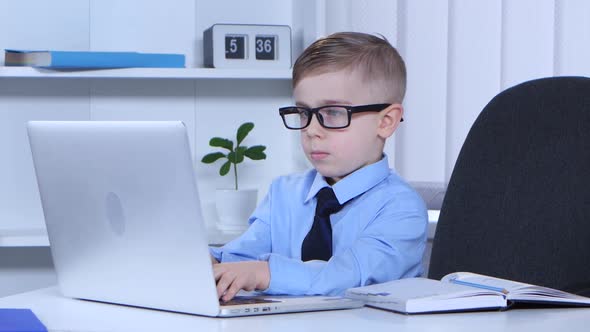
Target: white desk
62, 314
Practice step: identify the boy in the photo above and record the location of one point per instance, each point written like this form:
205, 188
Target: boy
371, 227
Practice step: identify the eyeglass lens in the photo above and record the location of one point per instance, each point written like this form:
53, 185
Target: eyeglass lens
329, 117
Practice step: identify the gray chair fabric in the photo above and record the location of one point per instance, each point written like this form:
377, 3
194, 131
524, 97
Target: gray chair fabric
431, 192
517, 205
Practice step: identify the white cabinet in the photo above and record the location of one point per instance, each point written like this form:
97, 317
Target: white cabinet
211, 102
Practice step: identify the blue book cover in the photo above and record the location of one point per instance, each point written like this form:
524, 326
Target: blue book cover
20, 320
91, 59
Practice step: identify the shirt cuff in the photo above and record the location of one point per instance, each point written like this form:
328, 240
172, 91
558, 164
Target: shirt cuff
223, 257
290, 276
216, 253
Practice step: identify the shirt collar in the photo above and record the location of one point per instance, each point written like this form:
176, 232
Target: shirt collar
353, 184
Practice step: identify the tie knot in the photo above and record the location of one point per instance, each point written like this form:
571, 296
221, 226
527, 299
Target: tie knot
327, 202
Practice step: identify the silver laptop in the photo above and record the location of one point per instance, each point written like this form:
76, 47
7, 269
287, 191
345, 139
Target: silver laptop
124, 221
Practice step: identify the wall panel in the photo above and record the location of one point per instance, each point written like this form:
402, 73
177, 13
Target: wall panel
474, 68
144, 26
527, 49
22, 100
34, 24
254, 101
421, 137
572, 38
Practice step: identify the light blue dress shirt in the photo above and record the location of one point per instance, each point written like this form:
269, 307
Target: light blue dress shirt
379, 235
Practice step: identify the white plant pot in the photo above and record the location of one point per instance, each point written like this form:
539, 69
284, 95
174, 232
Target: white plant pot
234, 207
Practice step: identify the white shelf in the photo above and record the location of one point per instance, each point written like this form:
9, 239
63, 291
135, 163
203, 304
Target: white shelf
37, 237
148, 73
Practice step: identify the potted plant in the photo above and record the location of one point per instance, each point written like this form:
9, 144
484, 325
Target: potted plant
234, 206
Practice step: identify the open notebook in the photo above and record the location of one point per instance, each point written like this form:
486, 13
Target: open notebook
460, 291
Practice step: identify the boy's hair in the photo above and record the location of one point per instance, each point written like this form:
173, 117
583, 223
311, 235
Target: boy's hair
373, 56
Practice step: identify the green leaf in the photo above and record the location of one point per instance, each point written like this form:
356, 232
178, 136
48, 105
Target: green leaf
240, 150
256, 152
243, 131
212, 157
235, 158
231, 157
219, 142
239, 158
225, 168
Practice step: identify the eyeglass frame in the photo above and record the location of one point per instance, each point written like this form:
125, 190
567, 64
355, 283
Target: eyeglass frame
350, 110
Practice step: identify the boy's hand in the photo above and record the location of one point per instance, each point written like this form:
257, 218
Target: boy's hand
232, 277
213, 260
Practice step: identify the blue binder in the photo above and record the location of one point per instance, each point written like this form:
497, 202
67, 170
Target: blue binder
20, 320
90, 59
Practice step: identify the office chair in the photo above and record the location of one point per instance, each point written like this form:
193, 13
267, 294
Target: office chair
517, 205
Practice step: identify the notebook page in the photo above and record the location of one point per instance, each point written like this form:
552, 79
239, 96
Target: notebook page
518, 290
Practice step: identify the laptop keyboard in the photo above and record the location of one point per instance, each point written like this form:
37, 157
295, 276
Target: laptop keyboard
239, 300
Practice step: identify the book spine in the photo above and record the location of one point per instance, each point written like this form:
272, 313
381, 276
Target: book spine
65, 59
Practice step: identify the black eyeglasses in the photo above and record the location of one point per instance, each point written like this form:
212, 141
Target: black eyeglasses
329, 116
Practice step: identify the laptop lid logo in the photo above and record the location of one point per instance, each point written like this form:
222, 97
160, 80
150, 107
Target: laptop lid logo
115, 213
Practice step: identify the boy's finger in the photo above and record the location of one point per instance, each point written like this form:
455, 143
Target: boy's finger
222, 285
218, 271
233, 289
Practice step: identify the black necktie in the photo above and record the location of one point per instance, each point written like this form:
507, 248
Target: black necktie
318, 242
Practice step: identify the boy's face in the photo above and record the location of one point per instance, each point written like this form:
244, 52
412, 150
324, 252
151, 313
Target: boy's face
335, 153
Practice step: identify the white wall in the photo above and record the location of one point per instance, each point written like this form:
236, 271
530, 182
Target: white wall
145, 26
459, 54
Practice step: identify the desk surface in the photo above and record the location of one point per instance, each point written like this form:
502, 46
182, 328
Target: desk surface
63, 314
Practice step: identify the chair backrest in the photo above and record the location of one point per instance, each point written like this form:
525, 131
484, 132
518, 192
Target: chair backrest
517, 204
